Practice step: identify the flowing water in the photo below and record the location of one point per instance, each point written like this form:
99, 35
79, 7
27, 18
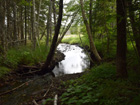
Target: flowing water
75, 60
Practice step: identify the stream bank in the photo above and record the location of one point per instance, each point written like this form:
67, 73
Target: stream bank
24, 85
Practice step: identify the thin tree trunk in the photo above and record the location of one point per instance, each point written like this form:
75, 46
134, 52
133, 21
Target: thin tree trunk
15, 21
68, 27
34, 26
135, 29
90, 15
92, 45
54, 12
46, 66
2, 27
49, 23
38, 32
121, 39
25, 24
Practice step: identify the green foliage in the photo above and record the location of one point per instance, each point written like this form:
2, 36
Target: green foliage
4, 70
24, 55
100, 87
74, 39
26, 3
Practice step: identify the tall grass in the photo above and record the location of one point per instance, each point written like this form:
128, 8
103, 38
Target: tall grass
24, 55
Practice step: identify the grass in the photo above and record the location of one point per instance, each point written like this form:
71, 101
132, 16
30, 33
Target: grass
3, 71
23, 55
74, 39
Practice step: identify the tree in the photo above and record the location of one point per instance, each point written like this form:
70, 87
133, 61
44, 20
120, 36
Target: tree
92, 45
46, 67
135, 27
34, 25
49, 23
121, 39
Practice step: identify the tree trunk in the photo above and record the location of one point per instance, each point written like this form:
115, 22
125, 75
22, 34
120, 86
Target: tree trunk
2, 27
38, 32
67, 28
92, 46
15, 22
25, 24
135, 28
49, 23
46, 67
54, 12
34, 26
121, 39
90, 14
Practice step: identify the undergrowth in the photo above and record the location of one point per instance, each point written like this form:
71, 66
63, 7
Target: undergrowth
23, 55
101, 87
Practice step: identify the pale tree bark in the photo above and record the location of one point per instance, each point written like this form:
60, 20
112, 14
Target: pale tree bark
92, 45
34, 25
54, 12
121, 39
90, 14
25, 24
46, 66
49, 23
38, 32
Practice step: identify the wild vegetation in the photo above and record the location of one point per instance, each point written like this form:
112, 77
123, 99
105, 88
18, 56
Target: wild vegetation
108, 31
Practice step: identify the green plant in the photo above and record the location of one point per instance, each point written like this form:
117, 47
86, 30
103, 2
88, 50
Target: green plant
100, 87
4, 70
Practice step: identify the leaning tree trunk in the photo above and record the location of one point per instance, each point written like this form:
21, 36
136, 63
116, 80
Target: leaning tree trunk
92, 45
46, 67
121, 39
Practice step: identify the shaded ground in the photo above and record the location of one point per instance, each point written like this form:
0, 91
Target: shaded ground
38, 88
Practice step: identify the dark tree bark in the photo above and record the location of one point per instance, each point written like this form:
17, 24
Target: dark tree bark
2, 26
121, 39
135, 29
15, 21
46, 67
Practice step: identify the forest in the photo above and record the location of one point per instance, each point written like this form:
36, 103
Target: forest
69, 52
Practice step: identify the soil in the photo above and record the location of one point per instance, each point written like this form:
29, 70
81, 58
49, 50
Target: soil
51, 88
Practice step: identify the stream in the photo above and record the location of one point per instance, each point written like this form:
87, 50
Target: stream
75, 62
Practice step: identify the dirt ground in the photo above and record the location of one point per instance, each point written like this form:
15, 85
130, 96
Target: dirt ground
54, 87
